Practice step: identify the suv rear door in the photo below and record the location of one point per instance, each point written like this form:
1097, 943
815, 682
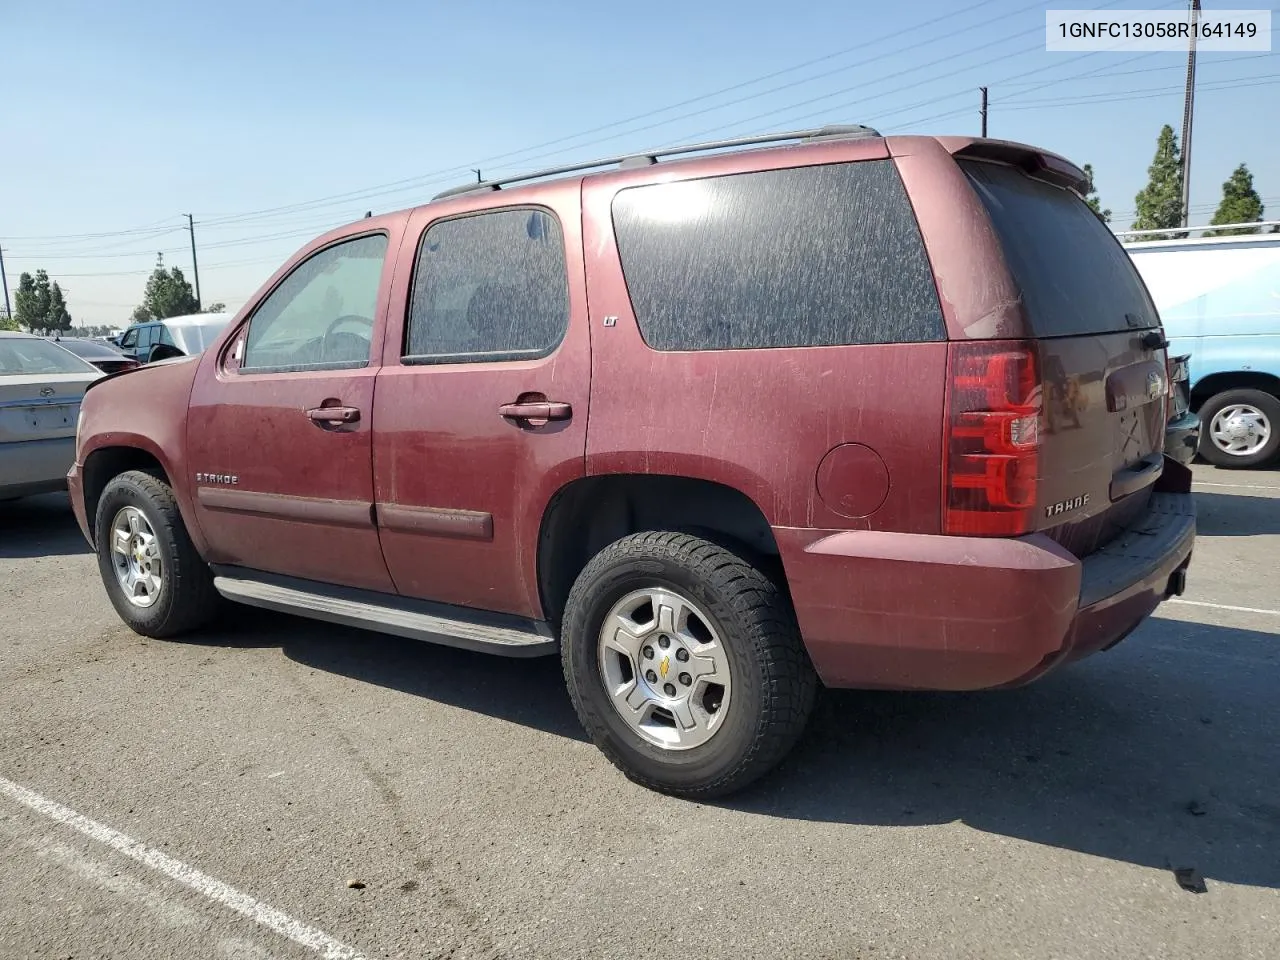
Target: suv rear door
1101, 355
480, 415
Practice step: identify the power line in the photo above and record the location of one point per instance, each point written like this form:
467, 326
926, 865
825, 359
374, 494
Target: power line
433, 177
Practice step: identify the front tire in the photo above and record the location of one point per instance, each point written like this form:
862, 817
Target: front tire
1240, 428
685, 665
155, 578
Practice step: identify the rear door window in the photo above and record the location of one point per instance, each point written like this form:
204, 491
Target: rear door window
799, 257
1074, 275
490, 286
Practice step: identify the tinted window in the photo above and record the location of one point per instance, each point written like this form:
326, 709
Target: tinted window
489, 287
811, 256
321, 314
1074, 276
130, 338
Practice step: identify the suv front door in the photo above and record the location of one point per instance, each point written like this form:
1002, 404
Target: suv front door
279, 428
480, 414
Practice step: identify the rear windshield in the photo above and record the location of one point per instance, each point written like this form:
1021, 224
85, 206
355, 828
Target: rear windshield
20, 356
1074, 276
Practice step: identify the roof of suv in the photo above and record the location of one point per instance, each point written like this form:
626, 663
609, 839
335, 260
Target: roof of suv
1049, 165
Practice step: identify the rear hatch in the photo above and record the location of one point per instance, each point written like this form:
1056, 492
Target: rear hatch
41, 386
1100, 353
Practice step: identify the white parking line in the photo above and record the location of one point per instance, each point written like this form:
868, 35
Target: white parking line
1235, 486
202, 883
1224, 606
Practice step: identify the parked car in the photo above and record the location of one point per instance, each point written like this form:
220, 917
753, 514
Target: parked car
1182, 436
106, 357
864, 411
41, 385
1219, 299
172, 337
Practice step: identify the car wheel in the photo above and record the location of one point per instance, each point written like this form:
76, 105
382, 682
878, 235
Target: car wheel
685, 664
155, 578
1240, 428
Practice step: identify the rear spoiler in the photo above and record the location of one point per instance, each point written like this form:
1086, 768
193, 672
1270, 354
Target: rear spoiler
1040, 164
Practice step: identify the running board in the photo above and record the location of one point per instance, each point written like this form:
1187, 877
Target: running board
486, 632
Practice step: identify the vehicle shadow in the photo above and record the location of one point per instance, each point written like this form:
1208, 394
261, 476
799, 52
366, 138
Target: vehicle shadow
1161, 753
528, 692
41, 526
1227, 515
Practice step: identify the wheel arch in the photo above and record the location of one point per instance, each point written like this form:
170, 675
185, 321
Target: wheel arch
589, 513
1210, 385
107, 462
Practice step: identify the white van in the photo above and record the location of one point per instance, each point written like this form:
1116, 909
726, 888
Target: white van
1219, 300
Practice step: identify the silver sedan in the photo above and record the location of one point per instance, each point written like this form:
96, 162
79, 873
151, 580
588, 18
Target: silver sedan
41, 385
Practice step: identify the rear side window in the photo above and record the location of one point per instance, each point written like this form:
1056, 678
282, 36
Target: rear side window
802, 257
492, 286
1074, 276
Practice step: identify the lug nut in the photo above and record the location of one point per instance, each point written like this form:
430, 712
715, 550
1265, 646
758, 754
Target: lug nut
669, 689
682, 655
686, 679
651, 676
648, 653
664, 641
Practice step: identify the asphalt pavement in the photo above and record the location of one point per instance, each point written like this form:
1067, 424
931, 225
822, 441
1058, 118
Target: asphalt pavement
278, 788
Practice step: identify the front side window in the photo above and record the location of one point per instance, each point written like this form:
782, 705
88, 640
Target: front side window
130, 339
321, 314
489, 287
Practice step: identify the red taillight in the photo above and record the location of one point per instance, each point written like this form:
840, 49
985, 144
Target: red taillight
993, 438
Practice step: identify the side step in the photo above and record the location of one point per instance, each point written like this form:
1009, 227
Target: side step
486, 632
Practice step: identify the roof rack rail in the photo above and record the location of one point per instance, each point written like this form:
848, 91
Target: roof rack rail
647, 157
1173, 231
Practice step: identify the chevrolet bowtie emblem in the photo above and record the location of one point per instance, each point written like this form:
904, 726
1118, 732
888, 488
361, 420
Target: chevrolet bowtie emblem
664, 667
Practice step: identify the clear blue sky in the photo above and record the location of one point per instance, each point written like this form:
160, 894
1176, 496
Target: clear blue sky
118, 116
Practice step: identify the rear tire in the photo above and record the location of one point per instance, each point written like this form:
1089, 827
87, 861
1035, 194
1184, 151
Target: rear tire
736, 687
1247, 420
156, 580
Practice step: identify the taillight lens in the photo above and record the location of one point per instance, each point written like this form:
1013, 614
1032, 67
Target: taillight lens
993, 438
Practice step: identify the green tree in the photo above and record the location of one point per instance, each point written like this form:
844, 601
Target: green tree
1159, 203
1091, 195
216, 307
58, 318
1240, 204
24, 302
33, 299
168, 294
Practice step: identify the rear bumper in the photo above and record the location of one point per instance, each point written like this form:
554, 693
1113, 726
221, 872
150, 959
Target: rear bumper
905, 611
1182, 437
29, 467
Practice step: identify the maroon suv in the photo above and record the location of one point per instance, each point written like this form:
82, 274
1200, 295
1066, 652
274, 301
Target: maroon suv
835, 409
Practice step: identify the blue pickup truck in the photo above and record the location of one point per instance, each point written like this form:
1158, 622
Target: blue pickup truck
1219, 299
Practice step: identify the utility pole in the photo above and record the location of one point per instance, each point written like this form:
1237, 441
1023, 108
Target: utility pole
1188, 108
5, 280
984, 110
195, 267
479, 179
